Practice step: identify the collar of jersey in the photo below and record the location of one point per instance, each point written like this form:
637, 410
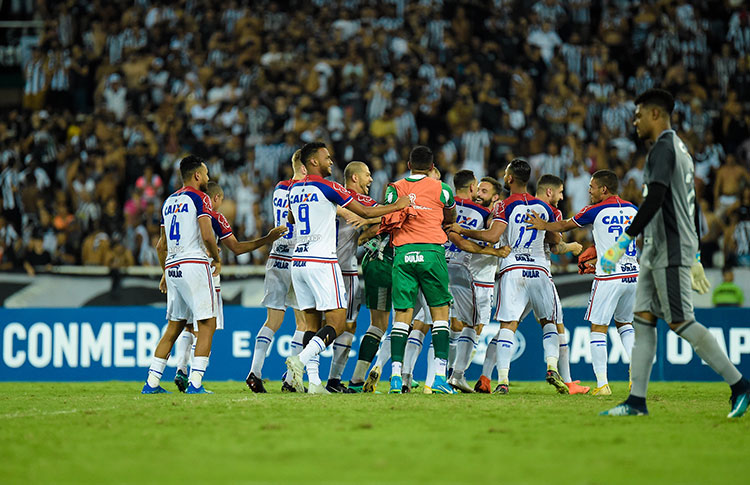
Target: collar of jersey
314, 178
187, 188
668, 130
414, 178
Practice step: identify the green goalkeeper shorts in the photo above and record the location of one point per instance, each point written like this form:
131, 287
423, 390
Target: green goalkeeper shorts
418, 266
378, 283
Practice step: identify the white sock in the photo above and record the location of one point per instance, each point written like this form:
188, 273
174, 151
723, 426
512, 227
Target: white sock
384, 354
396, 368
200, 364
490, 358
506, 341
430, 378
564, 363
466, 343
191, 357
312, 368
551, 344
452, 347
341, 347
441, 367
598, 343
627, 337
411, 353
296, 345
155, 371
313, 348
262, 341
182, 350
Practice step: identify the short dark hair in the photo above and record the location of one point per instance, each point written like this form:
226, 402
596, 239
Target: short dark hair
549, 180
463, 179
189, 165
213, 188
497, 186
521, 170
420, 158
657, 97
608, 179
309, 150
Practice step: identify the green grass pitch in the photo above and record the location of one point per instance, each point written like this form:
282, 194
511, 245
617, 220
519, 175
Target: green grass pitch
109, 433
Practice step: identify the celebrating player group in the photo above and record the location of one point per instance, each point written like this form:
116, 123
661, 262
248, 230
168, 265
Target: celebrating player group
438, 259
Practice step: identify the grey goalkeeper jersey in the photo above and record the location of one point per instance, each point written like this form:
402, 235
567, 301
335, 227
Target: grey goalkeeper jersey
670, 238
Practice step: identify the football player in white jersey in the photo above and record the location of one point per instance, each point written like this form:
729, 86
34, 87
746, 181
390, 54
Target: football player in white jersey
525, 273
316, 274
223, 231
190, 291
357, 180
612, 295
278, 293
550, 189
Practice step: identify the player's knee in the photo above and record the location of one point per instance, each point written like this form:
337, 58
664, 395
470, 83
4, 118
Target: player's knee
644, 318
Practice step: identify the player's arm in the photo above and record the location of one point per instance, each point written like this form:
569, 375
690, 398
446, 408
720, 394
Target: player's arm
537, 222
161, 252
490, 235
563, 247
355, 220
472, 247
368, 234
242, 247
378, 210
207, 233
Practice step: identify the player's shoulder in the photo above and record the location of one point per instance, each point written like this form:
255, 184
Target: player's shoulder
363, 199
197, 196
285, 184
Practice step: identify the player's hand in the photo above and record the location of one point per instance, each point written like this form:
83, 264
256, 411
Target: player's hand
403, 202
534, 221
277, 232
355, 220
163, 283
698, 277
456, 227
587, 261
217, 267
503, 252
612, 255
575, 248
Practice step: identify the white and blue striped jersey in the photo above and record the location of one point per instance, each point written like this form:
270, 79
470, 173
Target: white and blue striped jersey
471, 215
609, 219
179, 217
283, 247
313, 202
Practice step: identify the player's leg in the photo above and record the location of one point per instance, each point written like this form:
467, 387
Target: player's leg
506, 342
433, 277
623, 315
206, 329
598, 347
368, 347
343, 343
681, 319
182, 348
161, 354
413, 349
541, 293
514, 301
647, 309
483, 385
405, 288
274, 319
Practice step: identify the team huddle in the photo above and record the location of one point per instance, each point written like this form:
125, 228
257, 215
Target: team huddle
440, 260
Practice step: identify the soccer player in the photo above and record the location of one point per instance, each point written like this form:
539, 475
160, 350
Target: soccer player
316, 274
550, 189
670, 261
278, 293
357, 180
419, 263
471, 275
612, 295
190, 289
223, 231
524, 273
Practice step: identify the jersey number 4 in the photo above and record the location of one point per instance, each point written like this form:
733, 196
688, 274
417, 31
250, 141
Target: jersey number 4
174, 230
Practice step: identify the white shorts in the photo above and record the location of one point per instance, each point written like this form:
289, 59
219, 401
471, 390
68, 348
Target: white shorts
422, 310
318, 285
611, 298
517, 291
472, 300
558, 316
353, 296
190, 292
278, 292
219, 306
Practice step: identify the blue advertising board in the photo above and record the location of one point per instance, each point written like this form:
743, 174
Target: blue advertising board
117, 343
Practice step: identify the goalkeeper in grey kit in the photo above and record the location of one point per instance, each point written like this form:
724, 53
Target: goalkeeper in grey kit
670, 262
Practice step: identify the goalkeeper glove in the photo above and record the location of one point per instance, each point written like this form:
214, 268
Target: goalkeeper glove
698, 276
612, 255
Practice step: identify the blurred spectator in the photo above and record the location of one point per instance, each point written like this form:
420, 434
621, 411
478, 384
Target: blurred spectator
727, 293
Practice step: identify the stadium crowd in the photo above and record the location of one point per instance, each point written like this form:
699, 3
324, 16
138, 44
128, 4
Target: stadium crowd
116, 92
